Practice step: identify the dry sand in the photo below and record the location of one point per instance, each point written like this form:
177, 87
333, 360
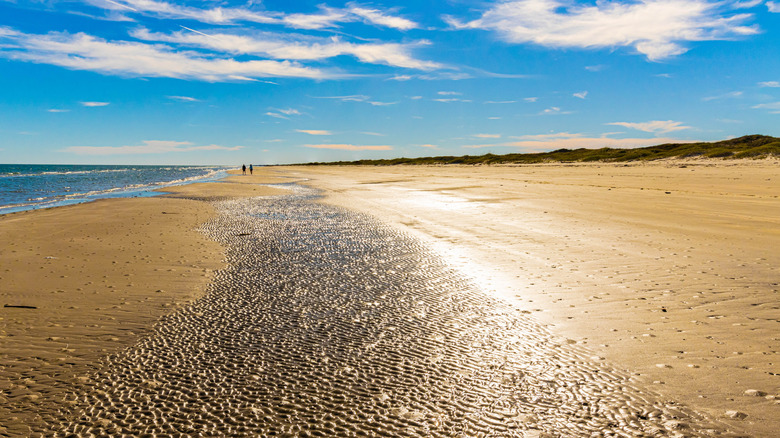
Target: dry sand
670, 270
98, 276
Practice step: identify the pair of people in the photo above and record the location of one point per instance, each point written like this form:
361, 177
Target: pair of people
243, 169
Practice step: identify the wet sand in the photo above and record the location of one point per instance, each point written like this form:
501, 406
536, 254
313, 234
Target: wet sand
328, 321
668, 270
325, 322
98, 276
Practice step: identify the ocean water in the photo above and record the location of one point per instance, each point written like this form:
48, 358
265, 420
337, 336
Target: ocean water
33, 186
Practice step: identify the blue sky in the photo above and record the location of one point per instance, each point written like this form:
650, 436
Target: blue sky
279, 81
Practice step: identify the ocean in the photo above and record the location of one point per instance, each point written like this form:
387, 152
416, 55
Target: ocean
33, 186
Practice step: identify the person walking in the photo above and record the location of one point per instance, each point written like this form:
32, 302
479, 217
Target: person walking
243, 169
250, 169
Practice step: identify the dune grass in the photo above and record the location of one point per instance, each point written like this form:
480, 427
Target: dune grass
750, 146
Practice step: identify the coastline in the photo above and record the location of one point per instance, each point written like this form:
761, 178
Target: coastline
665, 269
94, 277
652, 293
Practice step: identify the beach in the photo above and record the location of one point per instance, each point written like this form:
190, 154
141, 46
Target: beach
668, 269
640, 287
89, 279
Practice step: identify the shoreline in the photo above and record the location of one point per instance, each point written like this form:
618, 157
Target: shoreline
89, 279
103, 273
667, 270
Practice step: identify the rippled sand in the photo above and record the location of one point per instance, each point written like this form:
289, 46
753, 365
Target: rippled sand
327, 323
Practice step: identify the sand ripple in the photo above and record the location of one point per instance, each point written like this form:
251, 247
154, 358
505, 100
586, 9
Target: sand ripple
328, 323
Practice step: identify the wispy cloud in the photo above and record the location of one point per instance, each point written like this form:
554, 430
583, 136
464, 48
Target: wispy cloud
357, 98
326, 17
148, 147
729, 95
774, 107
380, 18
655, 126
95, 104
283, 113
348, 98
773, 6
314, 131
57, 110
449, 93
183, 98
581, 94
531, 99
429, 146
554, 111
163, 9
657, 29
85, 52
289, 47
500, 102
349, 147
487, 135
770, 84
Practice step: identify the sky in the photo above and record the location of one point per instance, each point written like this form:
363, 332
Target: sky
280, 81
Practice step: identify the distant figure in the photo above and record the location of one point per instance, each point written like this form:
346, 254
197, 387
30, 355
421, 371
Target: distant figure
243, 169
250, 169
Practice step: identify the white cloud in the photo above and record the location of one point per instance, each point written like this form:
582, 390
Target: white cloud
349, 98
730, 95
183, 98
95, 104
349, 147
84, 52
401, 78
314, 131
554, 110
581, 94
487, 135
500, 102
449, 93
429, 146
148, 147
771, 84
169, 10
773, 6
531, 99
375, 16
655, 126
357, 98
773, 106
451, 99
57, 110
327, 17
548, 137
747, 4
657, 29
377, 103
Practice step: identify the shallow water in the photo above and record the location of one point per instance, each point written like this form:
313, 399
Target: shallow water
328, 323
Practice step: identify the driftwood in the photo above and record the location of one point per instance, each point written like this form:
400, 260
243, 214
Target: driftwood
20, 307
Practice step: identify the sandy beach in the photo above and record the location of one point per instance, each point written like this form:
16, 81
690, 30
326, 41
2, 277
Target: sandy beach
86, 280
658, 277
669, 270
